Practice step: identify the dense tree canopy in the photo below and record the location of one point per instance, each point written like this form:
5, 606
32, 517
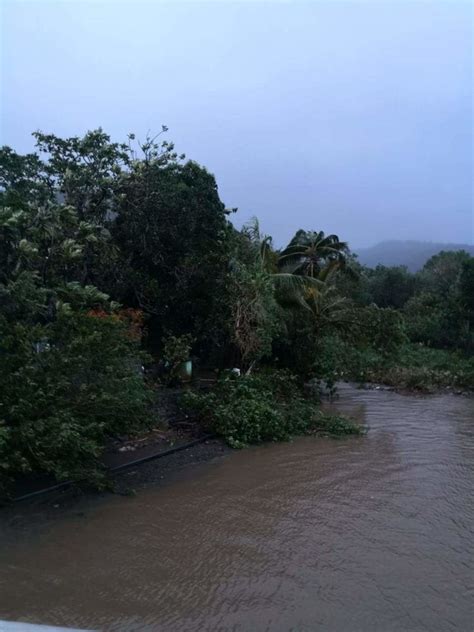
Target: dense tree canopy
174, 236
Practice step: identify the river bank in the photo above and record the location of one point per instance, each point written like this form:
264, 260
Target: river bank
405, 390
128, 482
153, 455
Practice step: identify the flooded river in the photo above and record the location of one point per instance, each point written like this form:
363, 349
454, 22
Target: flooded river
363, 534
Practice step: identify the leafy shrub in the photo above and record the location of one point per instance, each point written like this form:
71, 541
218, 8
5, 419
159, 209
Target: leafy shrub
336, 425
268, 406
70, 365
329, 355
63, 396
382, 329
425, 316
422, 368
415, 367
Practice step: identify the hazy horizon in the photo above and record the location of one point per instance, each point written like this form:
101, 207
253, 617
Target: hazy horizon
350, 117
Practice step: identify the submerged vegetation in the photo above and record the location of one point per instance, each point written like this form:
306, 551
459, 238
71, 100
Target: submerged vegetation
119, 257
265, 406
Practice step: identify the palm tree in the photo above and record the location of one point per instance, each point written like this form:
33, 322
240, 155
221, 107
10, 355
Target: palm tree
302, 274
309, 252
294, 288
290, 289
329, 308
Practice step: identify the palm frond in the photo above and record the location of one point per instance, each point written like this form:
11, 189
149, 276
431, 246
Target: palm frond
292, 289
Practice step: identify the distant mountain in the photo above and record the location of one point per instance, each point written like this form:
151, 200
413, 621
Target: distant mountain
412, 254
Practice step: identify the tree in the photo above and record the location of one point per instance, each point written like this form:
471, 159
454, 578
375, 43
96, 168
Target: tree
254, 313
169, 252
354, 283
391, 286
85, 170
306, 300
440, 274
80, 172
68, 359
439, 314
425, 317
309, 251
23, 179
466, 297
466, 286
290, 288
262, 294
174, 237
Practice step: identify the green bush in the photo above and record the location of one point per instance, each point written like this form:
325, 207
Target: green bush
422, 368
65, 387
330, 355
415, 367
382, 329
70, 365
266, 406
336, 425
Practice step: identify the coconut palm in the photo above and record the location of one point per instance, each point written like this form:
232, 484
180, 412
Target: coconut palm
303, 274
330, 309
309, 252
267, 292
290, 288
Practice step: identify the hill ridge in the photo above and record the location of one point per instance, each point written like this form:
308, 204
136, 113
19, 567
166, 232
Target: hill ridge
411, 253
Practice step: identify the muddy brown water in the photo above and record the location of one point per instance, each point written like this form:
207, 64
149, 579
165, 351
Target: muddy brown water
361, 534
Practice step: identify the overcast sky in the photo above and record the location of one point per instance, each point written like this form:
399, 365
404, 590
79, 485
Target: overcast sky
353, 117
